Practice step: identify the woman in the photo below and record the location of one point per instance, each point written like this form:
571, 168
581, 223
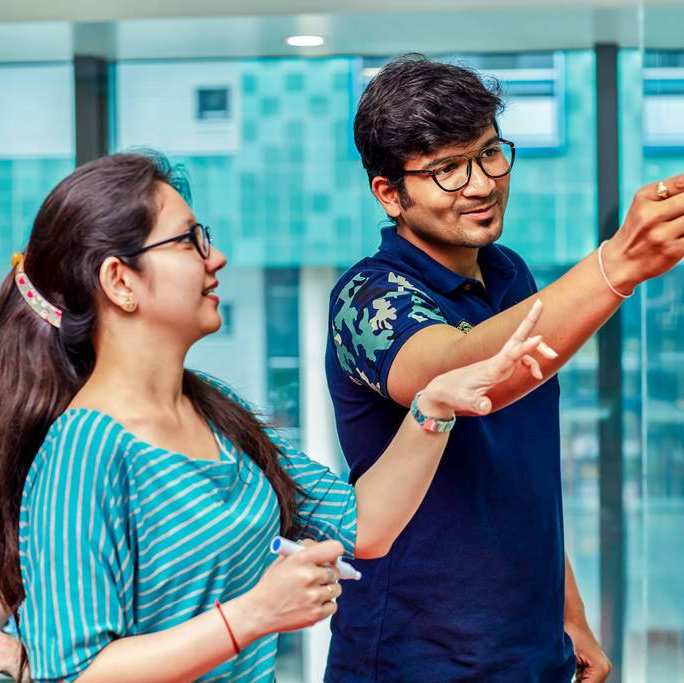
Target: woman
139, 498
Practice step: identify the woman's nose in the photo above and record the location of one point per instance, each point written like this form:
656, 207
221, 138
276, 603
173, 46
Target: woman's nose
217, 260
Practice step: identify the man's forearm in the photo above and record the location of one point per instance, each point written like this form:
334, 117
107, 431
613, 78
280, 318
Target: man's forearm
575, 306
592, 662
649, 243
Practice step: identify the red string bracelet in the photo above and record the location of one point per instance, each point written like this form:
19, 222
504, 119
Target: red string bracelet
233, 640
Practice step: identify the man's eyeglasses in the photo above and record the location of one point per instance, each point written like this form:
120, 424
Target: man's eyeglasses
198, 235
453, 174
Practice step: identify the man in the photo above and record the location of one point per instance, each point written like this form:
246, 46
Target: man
477, 587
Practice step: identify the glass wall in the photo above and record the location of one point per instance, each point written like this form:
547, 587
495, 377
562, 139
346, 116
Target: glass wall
653, 137
36, 143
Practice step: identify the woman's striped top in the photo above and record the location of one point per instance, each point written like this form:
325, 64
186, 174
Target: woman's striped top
121, 538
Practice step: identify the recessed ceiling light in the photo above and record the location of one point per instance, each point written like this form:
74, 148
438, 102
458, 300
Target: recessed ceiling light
304, 41
370, 71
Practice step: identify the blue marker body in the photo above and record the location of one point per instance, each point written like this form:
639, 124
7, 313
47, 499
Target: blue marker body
283, 546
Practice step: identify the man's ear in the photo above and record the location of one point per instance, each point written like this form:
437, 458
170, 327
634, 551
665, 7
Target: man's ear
387, 194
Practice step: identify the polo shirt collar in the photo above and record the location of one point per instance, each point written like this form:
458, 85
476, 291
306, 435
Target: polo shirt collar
497, 268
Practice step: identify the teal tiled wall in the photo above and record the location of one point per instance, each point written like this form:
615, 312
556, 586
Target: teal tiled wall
296, 194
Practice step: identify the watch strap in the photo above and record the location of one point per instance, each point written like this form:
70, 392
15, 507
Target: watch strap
430, 424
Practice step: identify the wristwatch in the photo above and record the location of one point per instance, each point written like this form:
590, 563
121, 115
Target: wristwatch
430, 424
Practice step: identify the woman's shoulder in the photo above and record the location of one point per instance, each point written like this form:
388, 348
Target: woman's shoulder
79, 441
82, 426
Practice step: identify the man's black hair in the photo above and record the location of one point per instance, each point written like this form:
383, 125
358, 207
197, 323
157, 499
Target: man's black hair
415, 106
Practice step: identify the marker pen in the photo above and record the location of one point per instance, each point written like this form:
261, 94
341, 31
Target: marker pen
283, 546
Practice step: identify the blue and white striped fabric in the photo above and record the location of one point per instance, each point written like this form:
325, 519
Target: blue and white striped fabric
121, 538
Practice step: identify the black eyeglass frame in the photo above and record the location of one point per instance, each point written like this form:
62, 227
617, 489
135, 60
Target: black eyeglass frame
189, 234
433, 172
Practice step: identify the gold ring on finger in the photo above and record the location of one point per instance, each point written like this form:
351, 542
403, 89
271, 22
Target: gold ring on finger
330, 591
662, 191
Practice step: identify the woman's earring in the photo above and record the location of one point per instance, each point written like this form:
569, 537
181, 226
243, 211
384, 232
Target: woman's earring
129, 305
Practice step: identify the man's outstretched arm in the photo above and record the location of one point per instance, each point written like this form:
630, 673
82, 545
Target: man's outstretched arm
649, 243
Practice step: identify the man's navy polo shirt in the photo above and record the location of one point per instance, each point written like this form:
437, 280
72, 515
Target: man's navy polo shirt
473, 588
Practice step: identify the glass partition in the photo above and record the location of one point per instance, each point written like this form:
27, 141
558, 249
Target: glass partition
653, 85
36, 143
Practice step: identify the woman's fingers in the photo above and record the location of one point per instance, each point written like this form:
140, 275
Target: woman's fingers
482, 405
326, 552
330, 592
525, 328
503, 364
533, 365
482, 376
547, 351
521, 344
326, 575
513, 352
525, 347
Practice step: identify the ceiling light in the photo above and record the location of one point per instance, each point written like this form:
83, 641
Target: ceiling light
370, 71
304, 41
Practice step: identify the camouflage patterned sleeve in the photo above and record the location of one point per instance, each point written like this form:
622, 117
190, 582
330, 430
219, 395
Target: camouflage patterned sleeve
372, 316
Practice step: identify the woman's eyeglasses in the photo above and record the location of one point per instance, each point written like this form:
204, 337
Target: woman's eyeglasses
198, 235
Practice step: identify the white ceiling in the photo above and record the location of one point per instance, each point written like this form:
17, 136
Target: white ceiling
102, 10
56, 29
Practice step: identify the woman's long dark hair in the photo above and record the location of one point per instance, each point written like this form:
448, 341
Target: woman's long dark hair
104, 208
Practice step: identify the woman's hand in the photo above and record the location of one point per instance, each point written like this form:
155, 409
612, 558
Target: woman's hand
464, 391
294, 592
